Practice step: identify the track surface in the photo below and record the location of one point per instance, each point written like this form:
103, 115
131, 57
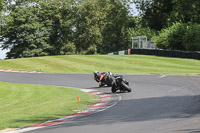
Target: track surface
158, 104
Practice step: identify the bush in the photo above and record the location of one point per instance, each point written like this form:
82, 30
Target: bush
180, 36
91, 50
171, 37
68, 49
191, 39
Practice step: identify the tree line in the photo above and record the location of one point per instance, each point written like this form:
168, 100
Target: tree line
52, 27
172, 24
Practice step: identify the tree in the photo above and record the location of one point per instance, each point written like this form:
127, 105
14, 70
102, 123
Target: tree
115, 34
1, 5
52, 27
26, 35
101, 25
154, 13
159, 14
185, 11
90, 16
138, 30
1, 18
38, 29
59, 18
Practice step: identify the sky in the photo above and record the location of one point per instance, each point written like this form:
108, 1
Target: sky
3, 52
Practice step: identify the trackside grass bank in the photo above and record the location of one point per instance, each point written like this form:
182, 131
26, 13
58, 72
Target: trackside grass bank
121, 64
24, 105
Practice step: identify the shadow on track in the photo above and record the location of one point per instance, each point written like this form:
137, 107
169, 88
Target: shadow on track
190, 131
142, 110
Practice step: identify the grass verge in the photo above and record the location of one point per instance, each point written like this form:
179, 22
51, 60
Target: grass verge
24, 105
121, 64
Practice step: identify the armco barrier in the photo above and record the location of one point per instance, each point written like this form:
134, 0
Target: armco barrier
160, 52
167, 53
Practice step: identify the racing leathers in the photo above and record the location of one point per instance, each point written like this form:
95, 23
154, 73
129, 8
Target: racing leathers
99, 77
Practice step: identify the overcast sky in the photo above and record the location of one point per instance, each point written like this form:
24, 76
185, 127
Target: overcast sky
3, 52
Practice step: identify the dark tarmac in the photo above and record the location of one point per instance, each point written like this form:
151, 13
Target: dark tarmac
157, 104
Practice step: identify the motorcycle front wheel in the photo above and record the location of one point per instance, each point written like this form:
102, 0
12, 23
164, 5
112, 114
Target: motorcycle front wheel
113, 89
125, 87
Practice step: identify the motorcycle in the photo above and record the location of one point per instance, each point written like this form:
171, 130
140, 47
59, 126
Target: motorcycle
116, 82
119, 83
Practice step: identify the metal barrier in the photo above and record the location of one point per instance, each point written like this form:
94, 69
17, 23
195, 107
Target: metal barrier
167, 53
160, 52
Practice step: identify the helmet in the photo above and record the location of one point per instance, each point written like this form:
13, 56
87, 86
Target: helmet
94, 72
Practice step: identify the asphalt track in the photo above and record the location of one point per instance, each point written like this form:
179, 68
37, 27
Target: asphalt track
158, 104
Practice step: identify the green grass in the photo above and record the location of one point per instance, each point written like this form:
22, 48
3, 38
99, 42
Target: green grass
23, 104
121, 64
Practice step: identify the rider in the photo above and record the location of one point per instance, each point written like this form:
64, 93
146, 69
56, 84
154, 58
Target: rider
99, 77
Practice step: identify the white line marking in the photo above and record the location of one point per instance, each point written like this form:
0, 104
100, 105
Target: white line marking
24, 130
163, 76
